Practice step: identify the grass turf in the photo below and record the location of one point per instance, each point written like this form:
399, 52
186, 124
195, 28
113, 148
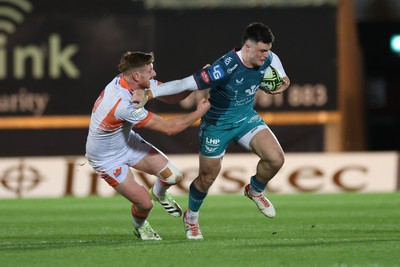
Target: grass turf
309, 230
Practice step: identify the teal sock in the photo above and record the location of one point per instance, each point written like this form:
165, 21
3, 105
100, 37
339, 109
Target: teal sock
256, 185
196, 198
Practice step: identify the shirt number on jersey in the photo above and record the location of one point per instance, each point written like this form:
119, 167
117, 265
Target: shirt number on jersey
98, 101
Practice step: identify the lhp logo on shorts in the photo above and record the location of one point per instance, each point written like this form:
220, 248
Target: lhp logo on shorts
212, 144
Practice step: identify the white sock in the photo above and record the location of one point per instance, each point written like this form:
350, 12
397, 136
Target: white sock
192, 216
160, 188
253, 191
137, 222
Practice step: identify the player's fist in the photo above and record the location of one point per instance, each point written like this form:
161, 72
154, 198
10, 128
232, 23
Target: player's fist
140, 97
203, 106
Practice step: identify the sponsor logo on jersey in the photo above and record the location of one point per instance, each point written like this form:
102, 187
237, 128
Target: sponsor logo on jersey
244, 101
212, 141
212, 144
204, 76
210, 149
254, 119
218, 72
252, 90
238, 82
232, 69
227, 60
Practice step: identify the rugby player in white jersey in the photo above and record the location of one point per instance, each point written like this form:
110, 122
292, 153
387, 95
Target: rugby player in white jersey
113, 147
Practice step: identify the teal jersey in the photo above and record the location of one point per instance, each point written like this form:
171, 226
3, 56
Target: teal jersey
232, 86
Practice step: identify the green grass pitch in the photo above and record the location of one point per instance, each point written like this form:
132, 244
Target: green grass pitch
309, 230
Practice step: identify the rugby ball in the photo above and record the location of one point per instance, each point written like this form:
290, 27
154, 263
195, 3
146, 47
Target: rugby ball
272, 79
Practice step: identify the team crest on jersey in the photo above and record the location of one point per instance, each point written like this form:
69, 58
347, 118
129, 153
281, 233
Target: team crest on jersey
204, 76
117, 172
252, 90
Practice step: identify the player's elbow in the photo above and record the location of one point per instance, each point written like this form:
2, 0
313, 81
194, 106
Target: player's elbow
169, 132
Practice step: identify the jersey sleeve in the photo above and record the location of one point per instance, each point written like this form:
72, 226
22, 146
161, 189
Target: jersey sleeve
126, 111
215, 75
154, 83
277, 64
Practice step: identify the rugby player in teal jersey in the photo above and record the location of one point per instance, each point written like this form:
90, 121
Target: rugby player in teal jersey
233, 81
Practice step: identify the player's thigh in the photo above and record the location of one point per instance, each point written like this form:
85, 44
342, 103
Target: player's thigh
153, 162
209, 167
208, 172
134, 192
143, 156
266, 146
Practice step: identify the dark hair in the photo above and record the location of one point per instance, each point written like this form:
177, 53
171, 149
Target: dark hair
132, 60
258, 32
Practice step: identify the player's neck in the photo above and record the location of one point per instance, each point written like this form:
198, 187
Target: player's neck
131, 83
244, 58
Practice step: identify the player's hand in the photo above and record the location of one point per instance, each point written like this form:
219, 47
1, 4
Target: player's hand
203, 106
139, 96
280, 89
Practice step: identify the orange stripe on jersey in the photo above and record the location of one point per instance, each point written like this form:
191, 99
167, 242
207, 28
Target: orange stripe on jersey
110, 122
145, 120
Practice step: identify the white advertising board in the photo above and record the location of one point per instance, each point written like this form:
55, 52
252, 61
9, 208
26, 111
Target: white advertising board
302, 172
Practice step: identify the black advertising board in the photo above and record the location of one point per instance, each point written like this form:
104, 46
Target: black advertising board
305, 42
59, 56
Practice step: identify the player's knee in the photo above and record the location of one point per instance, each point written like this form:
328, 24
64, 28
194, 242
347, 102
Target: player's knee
275, 160
142, 209
170, 174
147, 206
280, 159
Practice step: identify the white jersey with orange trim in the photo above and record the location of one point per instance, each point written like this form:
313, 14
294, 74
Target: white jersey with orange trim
111, 122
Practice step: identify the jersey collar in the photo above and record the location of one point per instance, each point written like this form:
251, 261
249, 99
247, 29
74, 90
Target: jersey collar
124, 83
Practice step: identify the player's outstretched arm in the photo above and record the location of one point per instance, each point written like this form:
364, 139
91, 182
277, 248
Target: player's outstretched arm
173, 99
168, 88
178, 124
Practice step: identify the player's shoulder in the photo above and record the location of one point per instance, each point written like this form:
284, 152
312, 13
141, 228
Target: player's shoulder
229, 62
229, 59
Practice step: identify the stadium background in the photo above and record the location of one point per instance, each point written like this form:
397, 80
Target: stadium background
56, 58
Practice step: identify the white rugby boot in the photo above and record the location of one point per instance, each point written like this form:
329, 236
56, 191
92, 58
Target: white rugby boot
193, 231
264, 205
